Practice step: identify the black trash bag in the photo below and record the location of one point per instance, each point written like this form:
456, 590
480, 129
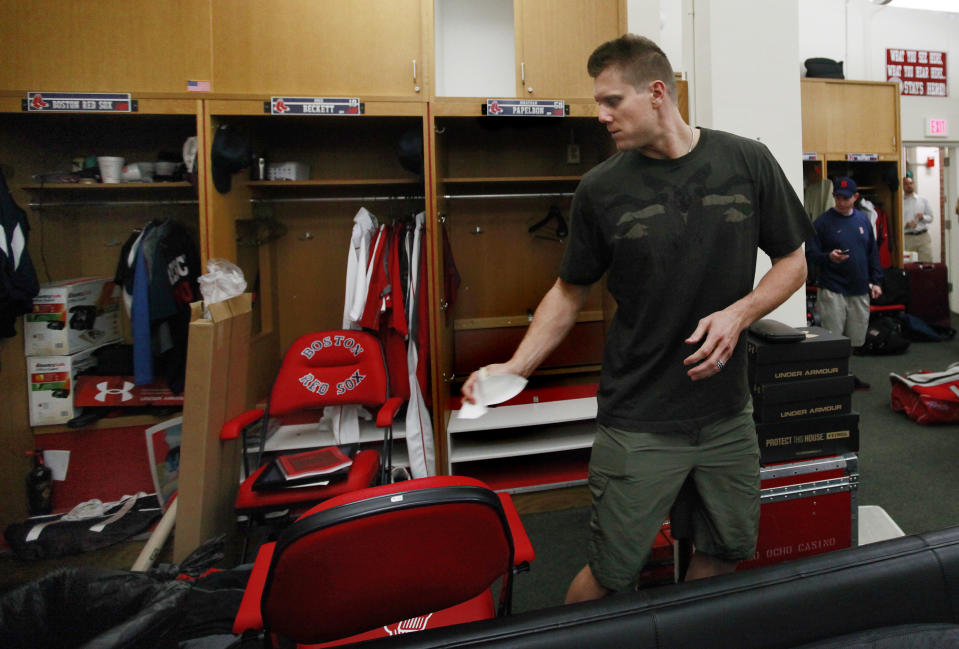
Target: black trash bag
92, 608
883, 337
824, 68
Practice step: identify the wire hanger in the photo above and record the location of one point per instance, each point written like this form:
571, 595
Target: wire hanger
553, 214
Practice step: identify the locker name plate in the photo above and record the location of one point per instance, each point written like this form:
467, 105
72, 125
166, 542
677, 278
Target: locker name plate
314, 106
525, 108
862, 157
79, 102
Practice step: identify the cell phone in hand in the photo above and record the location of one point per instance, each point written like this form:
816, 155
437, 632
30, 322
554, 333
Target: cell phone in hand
845, 251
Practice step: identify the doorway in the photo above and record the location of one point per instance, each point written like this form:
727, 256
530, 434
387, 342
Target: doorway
935, 175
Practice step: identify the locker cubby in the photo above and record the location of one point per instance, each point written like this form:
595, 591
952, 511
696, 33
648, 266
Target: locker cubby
496, 178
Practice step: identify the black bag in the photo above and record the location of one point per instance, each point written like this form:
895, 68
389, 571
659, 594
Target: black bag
824, 68
895, 287
58, 535
884, 336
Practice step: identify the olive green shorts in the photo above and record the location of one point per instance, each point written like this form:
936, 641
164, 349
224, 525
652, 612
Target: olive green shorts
634, 478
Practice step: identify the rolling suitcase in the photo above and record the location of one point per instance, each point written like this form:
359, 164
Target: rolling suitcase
928, 292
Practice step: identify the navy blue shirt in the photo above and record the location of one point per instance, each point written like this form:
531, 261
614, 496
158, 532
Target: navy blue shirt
835, 231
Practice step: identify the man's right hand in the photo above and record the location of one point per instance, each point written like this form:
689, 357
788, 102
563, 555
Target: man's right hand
489, 370
838, 256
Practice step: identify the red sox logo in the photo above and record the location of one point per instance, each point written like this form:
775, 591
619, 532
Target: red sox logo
495, 109
411, 625
37, 103
280, 106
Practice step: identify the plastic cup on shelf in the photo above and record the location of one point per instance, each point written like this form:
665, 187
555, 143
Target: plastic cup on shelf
111, 168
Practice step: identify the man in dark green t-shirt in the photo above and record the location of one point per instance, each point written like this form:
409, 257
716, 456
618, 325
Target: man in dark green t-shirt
674, 220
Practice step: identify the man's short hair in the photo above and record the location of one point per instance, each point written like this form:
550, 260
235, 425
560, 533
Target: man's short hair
639, 59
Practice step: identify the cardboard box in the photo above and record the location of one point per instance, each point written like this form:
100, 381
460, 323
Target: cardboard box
50, 386
797, 370
814, 397
215, 391
807, 389
813, 407
819, 344
71, 316
811, 437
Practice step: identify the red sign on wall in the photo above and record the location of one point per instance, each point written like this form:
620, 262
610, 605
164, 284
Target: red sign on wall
919, 72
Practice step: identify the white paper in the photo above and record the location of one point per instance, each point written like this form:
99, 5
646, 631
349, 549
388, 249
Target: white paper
58, 461
490, 390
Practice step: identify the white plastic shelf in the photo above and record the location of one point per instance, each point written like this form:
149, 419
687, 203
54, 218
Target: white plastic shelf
527, 414
522, 441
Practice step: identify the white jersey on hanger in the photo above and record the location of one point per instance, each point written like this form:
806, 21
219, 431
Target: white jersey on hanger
357, 261
345, 420
419, 428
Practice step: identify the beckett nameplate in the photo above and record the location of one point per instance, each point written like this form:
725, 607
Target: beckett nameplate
315, 106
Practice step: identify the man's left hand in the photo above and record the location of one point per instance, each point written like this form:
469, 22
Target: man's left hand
875, 290
719, 333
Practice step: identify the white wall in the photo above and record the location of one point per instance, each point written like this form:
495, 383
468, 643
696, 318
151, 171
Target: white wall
746, 83
475, 55
858, 32
661, 21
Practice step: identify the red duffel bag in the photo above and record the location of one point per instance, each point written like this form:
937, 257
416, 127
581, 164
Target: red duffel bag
927, 397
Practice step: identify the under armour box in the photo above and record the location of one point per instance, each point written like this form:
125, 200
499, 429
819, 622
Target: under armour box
807, 508
71, 316
818, 344
795, 371
120, 391
810, 398
809, 437
51, 383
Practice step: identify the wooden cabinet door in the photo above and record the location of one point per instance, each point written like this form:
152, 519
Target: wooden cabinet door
841, 117
554, 39
320, 47
104, 46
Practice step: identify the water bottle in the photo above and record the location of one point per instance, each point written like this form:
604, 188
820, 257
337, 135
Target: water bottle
39, 486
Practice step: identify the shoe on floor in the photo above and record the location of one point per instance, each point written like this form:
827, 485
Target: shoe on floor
859, 384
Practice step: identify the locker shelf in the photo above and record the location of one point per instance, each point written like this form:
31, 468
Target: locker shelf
521, 441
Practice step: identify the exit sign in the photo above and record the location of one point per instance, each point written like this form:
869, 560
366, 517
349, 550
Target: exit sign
936, 128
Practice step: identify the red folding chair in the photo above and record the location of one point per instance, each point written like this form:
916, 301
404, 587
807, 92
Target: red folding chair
390, 559
326, 368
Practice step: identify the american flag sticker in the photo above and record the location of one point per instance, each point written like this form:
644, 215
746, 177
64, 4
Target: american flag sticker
198, 86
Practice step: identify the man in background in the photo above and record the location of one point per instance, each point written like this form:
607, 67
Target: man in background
844, 251
916, 216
